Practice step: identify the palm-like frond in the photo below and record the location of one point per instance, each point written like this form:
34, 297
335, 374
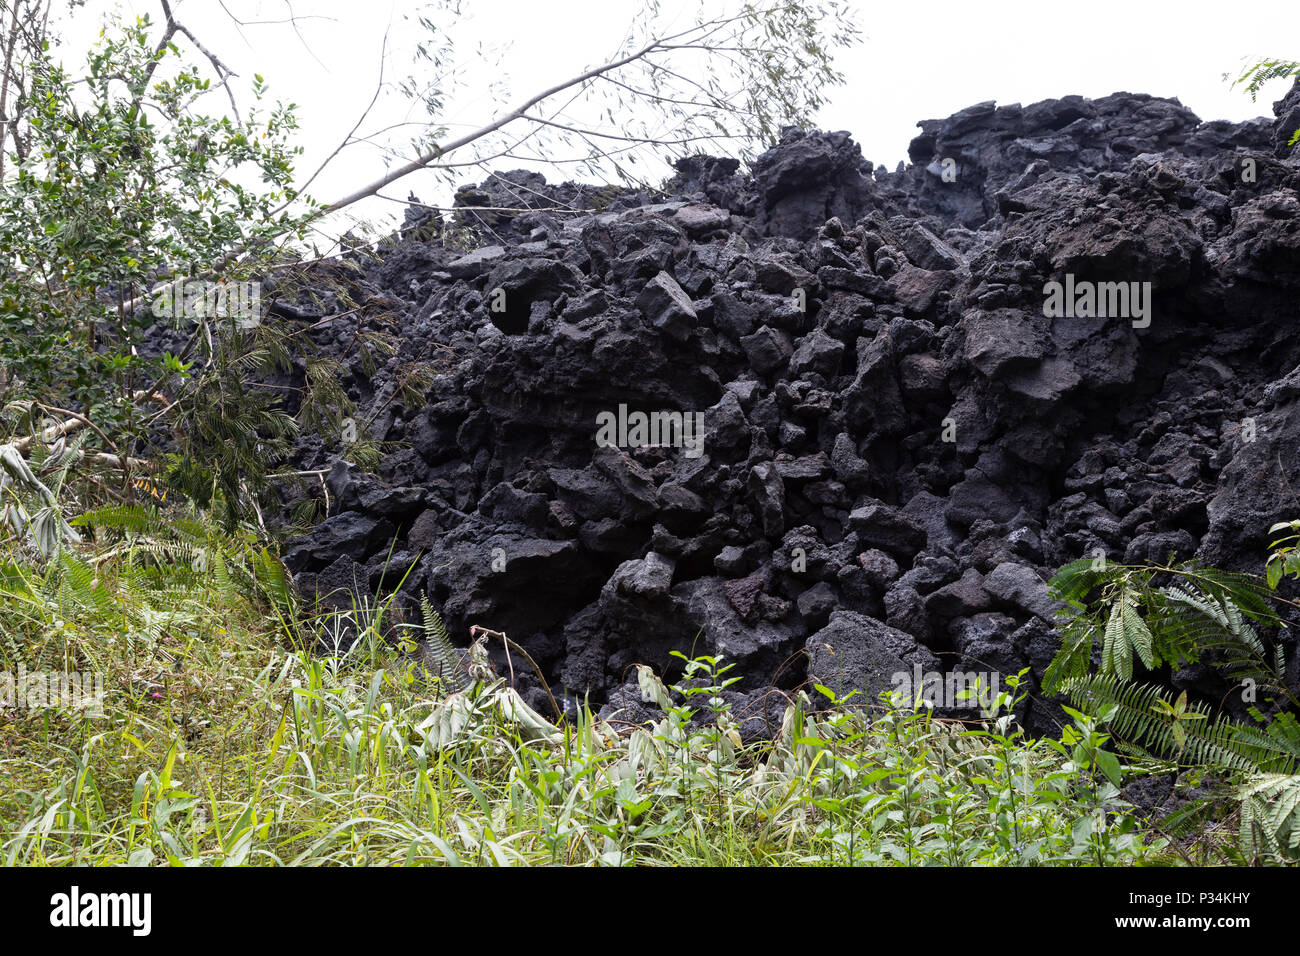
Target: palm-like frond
1189, 734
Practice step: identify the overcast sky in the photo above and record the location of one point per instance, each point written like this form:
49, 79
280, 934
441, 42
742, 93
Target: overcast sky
917, 60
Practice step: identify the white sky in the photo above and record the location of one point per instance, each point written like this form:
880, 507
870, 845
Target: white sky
916, 61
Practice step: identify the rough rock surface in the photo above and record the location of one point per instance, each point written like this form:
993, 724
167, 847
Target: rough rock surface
899, 445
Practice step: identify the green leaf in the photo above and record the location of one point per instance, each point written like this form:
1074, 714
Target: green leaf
1108, 764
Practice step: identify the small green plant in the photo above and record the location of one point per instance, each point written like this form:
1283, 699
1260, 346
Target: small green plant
1284, 555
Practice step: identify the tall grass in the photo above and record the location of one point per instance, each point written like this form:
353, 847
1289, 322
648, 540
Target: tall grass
230, 738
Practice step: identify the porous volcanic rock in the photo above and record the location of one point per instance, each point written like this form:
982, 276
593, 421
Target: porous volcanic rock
874, 444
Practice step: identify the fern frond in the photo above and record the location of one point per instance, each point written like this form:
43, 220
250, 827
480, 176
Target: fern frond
1249, 592
1195, 622
446, 659
1270, 814
1140, 719
274, 579
1076, 580
1126, 634
1192, 816
126, 518
1074, 659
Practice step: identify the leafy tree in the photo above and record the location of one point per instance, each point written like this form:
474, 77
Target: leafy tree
121, 182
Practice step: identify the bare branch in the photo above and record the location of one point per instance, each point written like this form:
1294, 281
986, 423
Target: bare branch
430, 156
347, 140
561, 210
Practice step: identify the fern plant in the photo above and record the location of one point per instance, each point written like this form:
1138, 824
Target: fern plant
181, 548
1165, 615
1173, 615
443, 659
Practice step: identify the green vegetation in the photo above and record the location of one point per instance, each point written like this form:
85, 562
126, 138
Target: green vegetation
225, 740
132, 549
126, 184
1256, 74
1170, 616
